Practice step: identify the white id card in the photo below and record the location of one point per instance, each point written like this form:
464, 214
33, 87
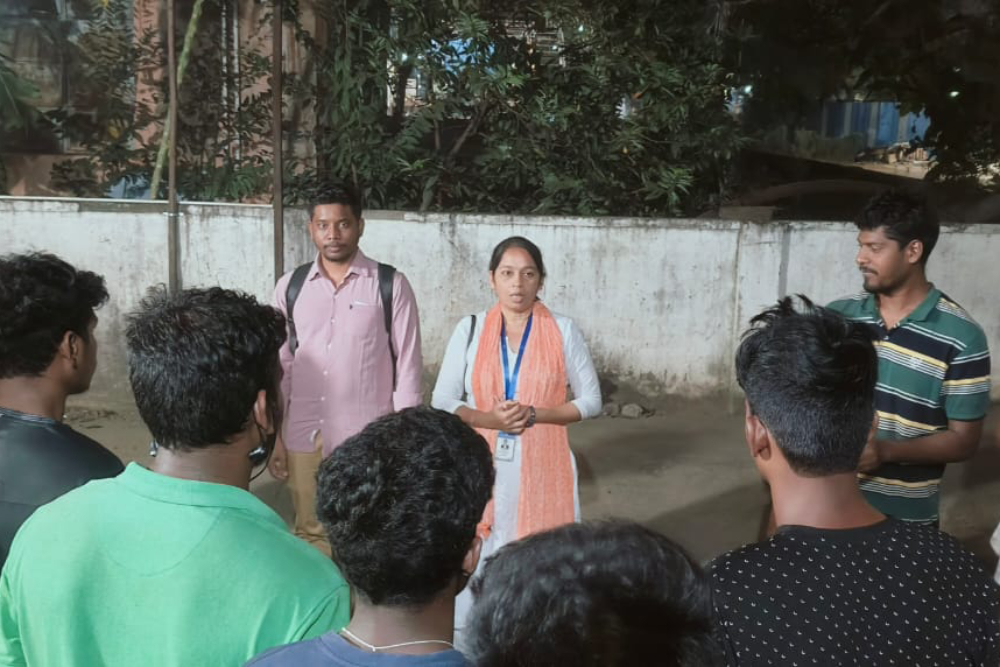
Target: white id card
505, 446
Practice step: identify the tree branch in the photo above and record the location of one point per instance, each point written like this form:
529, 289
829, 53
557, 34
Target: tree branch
470, 129
161, 156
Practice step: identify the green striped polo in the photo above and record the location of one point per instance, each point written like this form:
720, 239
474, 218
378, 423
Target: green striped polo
934, 366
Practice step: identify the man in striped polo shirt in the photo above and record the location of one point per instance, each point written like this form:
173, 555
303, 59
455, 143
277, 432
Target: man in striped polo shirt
934, 365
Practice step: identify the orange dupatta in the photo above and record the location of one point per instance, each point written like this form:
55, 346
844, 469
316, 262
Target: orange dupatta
546, 497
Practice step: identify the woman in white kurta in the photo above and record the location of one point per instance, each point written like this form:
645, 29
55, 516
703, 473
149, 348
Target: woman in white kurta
512, 406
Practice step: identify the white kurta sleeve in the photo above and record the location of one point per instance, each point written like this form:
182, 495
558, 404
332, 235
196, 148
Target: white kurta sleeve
449, 390
581, 373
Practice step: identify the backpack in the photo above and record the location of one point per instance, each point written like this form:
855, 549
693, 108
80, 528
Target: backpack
386, 274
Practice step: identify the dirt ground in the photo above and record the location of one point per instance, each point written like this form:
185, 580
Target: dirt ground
684, 472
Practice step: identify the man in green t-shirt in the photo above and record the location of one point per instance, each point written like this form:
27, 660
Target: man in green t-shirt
177, 564
934, 365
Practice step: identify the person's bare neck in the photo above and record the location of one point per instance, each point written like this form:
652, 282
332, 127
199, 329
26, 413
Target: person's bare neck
385, 626
34, 396
832, 501
514, 325
219, 464
515, 320
336, 271
895, 305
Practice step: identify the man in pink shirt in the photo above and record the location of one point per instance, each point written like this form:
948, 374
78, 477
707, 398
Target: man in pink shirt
341, 375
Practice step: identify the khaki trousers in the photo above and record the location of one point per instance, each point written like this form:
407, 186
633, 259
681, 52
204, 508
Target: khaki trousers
302, 467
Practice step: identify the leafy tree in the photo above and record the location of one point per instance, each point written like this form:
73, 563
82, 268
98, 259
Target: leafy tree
623, 113
935, 56
103, 63
563, 106
17, 113
223, 152
16, 95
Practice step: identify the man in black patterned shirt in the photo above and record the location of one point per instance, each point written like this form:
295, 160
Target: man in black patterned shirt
839, 583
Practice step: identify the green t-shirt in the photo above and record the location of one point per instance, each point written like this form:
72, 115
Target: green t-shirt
934, 366
145, 569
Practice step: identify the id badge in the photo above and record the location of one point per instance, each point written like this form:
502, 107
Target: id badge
505, 446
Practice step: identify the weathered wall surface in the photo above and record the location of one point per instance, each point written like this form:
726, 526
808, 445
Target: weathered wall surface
661, 302
126, 242
654, 298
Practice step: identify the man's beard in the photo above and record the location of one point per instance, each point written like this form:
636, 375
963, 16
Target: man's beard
883, 288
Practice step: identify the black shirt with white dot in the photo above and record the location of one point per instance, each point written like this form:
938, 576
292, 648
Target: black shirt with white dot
887, 594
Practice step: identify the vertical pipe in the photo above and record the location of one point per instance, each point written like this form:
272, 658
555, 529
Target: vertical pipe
238, 74
277, 203
173, 232
227, 67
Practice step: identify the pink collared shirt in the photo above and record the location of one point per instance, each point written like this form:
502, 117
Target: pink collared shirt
340, 378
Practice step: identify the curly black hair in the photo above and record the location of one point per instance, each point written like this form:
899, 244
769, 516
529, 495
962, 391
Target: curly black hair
336, 193
41, 298
197, 360
400, 502
809, 374
592, 595
905, 217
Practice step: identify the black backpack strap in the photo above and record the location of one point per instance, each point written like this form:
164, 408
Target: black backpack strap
386, 274
472, 332
468, 344
295, 284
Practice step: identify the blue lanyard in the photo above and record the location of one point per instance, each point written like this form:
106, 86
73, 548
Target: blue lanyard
510, 381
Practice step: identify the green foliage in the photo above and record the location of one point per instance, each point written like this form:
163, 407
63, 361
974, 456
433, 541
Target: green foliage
16, 95
103, 64
563, 107
16, 110
624, 115
222, 141
935, 56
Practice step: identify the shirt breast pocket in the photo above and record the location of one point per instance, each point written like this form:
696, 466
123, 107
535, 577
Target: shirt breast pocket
365, 320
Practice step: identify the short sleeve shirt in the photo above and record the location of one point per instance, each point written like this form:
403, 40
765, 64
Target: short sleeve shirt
934, 366
40, 460
145, 569
332, 650
893, 593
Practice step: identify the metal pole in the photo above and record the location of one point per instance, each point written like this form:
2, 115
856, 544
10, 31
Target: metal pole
277, 189
173, 231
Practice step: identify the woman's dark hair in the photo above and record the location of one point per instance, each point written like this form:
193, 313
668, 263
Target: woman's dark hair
41, 298
517, 242
400, 502
196, 361
592, 595
809, 376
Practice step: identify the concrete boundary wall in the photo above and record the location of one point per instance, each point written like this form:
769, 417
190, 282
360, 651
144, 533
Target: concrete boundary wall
661, 302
